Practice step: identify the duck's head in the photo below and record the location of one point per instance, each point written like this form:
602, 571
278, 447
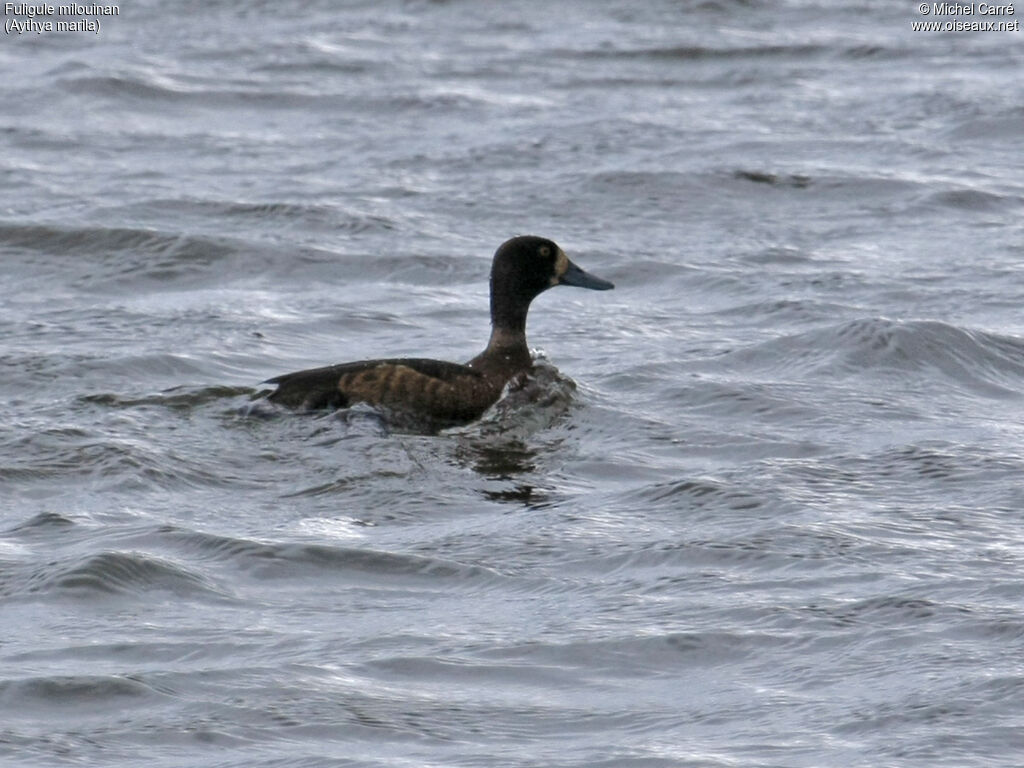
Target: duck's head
525, 267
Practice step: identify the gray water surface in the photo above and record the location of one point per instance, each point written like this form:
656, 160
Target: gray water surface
768, 511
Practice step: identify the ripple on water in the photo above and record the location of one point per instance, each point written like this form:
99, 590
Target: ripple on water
979, 361
105, 573
94, 694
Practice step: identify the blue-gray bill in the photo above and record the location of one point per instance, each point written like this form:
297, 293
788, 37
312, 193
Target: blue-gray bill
580, 279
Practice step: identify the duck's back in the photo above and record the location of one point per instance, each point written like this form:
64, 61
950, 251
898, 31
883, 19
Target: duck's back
434, 389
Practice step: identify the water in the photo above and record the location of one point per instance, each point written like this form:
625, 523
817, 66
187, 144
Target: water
776, 522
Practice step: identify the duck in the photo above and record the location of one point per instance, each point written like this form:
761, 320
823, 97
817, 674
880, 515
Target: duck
438, 392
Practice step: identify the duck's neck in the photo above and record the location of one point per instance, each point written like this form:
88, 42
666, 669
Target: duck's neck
508, 313
507, 346
509, 342
506, 350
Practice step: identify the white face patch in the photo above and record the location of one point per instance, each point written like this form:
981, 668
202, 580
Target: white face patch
561, 265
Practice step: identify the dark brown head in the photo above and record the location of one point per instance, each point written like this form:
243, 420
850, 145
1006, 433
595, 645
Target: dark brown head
525, 267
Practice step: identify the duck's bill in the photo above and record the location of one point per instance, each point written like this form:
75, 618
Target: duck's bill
575, 276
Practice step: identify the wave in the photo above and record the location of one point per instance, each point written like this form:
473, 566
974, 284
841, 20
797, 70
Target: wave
1006, 125
174, 399
698, 493
104, 240
275, 213
105, 573
987, 363
187, 563
58, 453
41, 522
160, 90
287, 560
71, 691
635, 655
687, 53
119, 255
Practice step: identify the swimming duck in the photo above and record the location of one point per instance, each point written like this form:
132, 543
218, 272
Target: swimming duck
440, 392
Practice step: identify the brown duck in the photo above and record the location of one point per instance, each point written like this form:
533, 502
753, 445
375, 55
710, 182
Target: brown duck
439, 392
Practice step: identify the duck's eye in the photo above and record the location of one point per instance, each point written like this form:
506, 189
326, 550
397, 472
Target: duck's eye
545, 251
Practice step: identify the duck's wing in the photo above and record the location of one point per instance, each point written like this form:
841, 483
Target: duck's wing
434, 387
